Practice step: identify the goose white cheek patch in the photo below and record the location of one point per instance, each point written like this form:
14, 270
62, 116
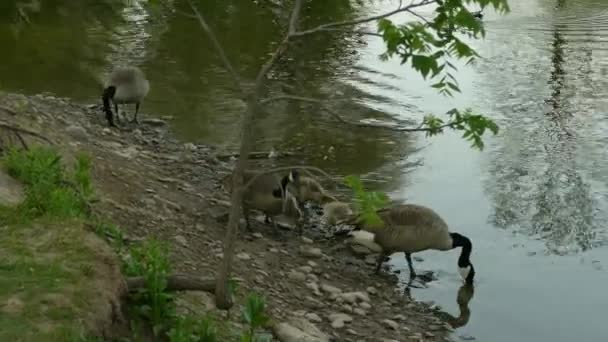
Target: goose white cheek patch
464, 271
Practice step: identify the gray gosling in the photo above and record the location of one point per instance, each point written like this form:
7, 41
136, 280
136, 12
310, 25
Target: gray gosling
268, 194
125, 85
412, 228
309, 189
336, 211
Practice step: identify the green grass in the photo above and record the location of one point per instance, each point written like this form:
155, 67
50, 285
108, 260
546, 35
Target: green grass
51, 190
49, 280
49, 265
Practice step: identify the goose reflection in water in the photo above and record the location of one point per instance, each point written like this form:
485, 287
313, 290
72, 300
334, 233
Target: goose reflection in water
465, 294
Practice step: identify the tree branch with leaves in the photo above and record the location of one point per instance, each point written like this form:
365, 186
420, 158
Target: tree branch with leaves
427, 44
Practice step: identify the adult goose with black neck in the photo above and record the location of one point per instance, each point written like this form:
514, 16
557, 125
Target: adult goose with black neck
412, 228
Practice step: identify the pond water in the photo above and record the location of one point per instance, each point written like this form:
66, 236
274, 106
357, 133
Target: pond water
533, 202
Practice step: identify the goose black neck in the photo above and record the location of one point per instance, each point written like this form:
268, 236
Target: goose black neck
459, 240
108, 94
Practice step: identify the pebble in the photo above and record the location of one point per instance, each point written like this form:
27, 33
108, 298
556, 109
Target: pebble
297, 276
273, 250
330, 289
307, 240
243, 256
257, 235
391, 324
313, 317
314, 287
365, 305
311, 252
312, 277
359, 311
338, 320
353, 297
190, 147
77, 132
312, 264
400, 318
181, 240
305, 269
372, 290
352, 332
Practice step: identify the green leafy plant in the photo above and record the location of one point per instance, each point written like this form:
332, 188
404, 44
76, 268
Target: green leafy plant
154, 303
255, 317
190, 329
366, 202
50, 190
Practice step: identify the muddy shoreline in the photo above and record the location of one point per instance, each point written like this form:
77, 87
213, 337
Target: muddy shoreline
152, 184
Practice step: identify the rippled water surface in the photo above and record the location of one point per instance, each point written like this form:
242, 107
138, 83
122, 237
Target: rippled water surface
533, 202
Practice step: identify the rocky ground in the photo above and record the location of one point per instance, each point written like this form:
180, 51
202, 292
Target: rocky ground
153, 185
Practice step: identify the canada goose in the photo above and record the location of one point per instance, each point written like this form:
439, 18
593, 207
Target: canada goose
412, 228
336, 211
124, 85
268, 194
308, 189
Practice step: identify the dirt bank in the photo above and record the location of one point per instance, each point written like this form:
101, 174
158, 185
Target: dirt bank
154, 185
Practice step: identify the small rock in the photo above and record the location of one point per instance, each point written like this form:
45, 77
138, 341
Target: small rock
352, 332
347, 308
360, 250
257, 235
401, 318
297, 276
337, 324
305, 269
314, 287
243, 256
181, 240
312, 264
307, 240
299, 330
190, 147
311, 252
338, 320
312, 277
273, 250
372, 290
353, 297
77, 132
313, 317
365, 305
359, 311
429, 334
330, 289
391, 324
434, 327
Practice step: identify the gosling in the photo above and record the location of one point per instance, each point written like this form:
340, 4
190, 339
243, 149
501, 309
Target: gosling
268, 194
308, 189
411, 228
336, 211
124, 85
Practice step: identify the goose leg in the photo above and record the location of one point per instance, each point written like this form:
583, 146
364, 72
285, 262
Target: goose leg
408, 257
379, 262
136, 111
117, 112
